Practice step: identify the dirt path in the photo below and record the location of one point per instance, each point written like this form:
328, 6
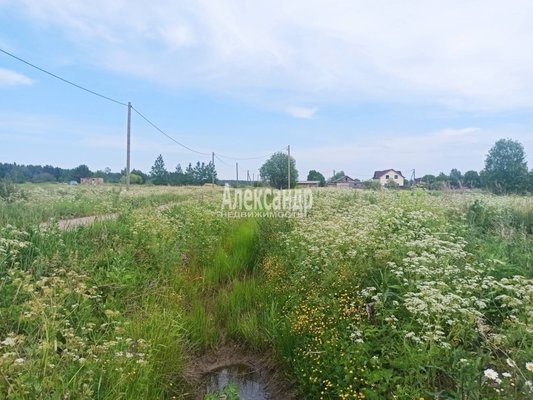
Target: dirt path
69, 223
64, 224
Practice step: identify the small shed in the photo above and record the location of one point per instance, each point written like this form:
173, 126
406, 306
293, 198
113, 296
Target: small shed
92, 181
345, 182
307, 184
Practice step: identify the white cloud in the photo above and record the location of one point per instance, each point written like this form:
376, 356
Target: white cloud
12, 78
467, 55
302, 112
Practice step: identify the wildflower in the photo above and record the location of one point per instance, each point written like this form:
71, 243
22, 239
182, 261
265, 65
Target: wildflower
529, 366
510, 363
18, 361
506, 374
9, 341
491, 374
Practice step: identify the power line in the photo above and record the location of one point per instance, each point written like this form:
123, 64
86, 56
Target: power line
222, 161
137, 111
63, 79
167, 135
250, 158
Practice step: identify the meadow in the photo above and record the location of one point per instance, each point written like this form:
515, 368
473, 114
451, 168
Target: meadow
374, 295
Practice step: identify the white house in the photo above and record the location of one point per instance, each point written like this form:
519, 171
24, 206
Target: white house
389, 175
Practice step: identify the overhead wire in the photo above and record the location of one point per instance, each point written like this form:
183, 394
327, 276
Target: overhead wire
222, 161
63, 79
167, 135
250, 158
157, 128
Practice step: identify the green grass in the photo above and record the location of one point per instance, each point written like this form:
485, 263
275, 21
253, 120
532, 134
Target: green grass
447, 280
378, 294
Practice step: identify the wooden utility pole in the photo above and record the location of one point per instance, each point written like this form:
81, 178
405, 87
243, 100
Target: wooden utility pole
237, 171
128, 148
289, 167
213, 168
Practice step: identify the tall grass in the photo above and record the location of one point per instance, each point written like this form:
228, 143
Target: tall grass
97, 311
374, 295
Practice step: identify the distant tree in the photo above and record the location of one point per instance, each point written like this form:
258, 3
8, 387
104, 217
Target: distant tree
471, 179
204, 173
316, 176
275, 171
134, 179
189, 175
428, 181
372, 184
456, 179
18, 174
112, 177
433, 182
43, 177
506, 167
158, 172
81, 171
442, 177
55, 171
177, 177
99, 174
138, 172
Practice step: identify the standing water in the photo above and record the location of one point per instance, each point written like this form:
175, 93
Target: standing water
247, 381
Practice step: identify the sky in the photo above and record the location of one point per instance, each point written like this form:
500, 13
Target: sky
352, 85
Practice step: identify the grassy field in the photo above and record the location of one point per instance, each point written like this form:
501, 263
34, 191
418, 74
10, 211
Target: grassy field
375, 295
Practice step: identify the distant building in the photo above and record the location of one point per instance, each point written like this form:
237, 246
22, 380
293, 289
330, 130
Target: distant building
345, 182
307, 184
389, 175
92, 181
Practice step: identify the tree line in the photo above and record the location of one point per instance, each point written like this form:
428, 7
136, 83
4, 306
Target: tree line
197, 174
505, 171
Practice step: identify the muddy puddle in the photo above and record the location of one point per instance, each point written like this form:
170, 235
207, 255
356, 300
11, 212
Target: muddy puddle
255, 376
247, 381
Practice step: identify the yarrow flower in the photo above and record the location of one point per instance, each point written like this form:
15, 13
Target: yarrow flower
9, 341
491, 374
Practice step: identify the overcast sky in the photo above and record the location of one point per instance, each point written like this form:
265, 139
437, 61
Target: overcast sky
350, 85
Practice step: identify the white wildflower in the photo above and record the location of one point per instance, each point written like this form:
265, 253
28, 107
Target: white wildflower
491, 374
9, 341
